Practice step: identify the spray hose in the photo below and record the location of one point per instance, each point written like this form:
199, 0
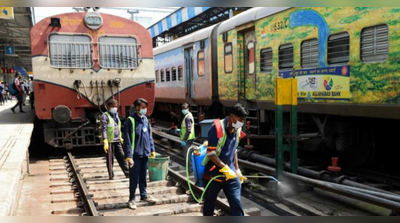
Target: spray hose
199, 200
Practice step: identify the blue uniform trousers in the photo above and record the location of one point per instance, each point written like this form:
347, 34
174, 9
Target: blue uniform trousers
232, 190
138, 174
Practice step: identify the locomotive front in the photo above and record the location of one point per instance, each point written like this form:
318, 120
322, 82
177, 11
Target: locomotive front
80, 60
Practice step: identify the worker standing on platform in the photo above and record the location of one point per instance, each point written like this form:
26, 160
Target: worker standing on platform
2, 92
223, 140
32, 95
138, 147
187, 131
112, 138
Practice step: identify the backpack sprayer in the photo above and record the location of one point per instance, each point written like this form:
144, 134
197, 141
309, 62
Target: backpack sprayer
197, 154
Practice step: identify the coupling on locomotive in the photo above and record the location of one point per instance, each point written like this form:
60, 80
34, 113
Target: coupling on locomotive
80, 61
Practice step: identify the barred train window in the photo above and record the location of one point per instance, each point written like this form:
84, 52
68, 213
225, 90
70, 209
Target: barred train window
266, 60
228, 58
250, 57
180, 73
157, 76
286, 57
118, 52
162, 76
339, 48
309, 53
174, 74
70, 51
375, 43
168, 74
200, 63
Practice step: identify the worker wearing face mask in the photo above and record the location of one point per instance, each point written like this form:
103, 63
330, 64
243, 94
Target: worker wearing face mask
187, 131
112, 138
138, 147
223, 140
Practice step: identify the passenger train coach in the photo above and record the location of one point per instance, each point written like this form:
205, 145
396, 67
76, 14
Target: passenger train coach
80, 60
346, 61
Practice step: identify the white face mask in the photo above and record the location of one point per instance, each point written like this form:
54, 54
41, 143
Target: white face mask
185, 111
237, 125
143, 111
113, 110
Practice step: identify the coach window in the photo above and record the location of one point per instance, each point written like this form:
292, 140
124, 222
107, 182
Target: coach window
250, 57
157, 76
70, 51
162, 75
309, 53
180, 73
200, 63
228, 58
118, 52
174, 74
375, 43
339, 48
266, 60
168, 74
286, 57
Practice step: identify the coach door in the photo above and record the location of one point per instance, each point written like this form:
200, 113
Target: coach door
247, 65
189, 73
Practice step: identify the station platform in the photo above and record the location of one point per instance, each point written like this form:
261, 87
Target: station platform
15, 136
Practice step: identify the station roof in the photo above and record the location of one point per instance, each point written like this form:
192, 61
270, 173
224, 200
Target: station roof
186, 20
16, 32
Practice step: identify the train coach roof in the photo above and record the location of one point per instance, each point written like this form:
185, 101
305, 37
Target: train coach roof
191, 38
249, 16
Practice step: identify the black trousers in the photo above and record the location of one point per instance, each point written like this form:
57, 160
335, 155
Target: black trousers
32, 99
115, 149
19, 103
1, 98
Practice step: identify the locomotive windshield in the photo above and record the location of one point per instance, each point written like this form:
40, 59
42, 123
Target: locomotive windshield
118, 52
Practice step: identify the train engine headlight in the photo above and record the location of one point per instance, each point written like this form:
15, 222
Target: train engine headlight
62, 114
93, 20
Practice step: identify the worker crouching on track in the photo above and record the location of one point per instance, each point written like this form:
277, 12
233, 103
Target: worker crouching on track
223, 140
112, 138
139, 146
187, 131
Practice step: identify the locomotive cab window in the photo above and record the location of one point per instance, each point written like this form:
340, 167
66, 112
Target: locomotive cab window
339, 48
250, 57
228, 58
118, 52
286, 57
70, 51
375, 43
180, 73
174, 74
266, 60
162, 76
200, 63
309, 53
157, 76
168, 75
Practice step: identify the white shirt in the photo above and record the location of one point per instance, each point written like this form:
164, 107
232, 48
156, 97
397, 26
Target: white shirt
4, 89
31, 86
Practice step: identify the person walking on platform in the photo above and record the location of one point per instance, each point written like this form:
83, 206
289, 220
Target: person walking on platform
187, 131
19, 92
138, 147
32, 95
223, 139
112, 138
2, 93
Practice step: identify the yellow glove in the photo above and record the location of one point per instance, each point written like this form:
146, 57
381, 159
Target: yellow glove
129, 161
121, 139
105, 142
229, 174
153, 155
240, 175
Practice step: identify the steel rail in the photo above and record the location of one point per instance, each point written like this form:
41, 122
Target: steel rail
86, 198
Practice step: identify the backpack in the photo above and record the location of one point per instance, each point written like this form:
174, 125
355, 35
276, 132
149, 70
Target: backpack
12, 88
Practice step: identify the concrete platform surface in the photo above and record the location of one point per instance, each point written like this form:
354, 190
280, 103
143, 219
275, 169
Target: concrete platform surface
15, 136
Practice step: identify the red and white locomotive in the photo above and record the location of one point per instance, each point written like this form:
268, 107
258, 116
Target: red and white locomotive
82, 59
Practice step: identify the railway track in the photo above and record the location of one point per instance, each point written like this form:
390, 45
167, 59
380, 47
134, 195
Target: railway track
307, 201
80, 186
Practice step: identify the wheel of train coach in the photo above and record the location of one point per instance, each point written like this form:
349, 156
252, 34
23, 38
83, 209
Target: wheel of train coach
62, 114
361, 150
